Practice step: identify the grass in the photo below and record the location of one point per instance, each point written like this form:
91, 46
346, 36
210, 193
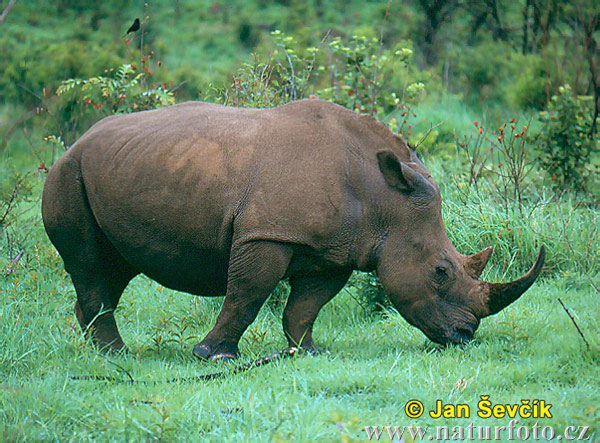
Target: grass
374, 363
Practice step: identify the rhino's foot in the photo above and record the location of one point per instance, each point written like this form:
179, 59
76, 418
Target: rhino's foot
214, 352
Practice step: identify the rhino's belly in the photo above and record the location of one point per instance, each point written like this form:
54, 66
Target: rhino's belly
186, 258
180, 241
199, 272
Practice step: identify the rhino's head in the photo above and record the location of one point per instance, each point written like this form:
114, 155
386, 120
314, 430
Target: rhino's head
434, 287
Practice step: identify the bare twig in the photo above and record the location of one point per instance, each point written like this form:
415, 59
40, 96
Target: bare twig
12, 198
33, 149
431, 128
9, 243
142, 56
293, 79
288, 352
11, 3
574, 322
511, 155
122, 369
312, 62
179, 85
477, 155
13, 262
46, 108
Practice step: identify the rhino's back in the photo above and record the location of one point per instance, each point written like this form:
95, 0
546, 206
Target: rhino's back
171, 187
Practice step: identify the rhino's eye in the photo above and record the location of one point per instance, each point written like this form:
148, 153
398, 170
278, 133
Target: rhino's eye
441, 272
441, 275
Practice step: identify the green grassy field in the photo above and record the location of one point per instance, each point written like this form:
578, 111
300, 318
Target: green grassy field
373, 365
479, 68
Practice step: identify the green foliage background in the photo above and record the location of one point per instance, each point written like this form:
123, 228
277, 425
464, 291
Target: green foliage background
427, 69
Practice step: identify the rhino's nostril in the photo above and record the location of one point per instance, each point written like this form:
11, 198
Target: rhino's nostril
463, 334
465, 331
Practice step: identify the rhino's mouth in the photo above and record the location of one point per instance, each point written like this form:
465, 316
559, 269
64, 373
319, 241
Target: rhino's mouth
461, 335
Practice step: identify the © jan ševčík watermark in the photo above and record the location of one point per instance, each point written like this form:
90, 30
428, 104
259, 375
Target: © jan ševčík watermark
486, 409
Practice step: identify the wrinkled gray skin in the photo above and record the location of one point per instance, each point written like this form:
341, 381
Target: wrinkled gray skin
213, 201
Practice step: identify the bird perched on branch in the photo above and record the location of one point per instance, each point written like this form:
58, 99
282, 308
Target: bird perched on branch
134, 27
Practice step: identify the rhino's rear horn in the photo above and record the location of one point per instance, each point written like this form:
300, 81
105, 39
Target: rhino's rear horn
475, 264
503, 294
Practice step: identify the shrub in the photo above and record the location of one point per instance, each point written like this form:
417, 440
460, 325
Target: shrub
126, 92
527, 87
80, 102
565, 145
15, 188
33, 64
482, 68
504, 158
278, 79
359, 74
368, 289
512, 163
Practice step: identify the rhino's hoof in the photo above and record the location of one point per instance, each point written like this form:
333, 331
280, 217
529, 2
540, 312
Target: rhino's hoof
201, 351
205, 352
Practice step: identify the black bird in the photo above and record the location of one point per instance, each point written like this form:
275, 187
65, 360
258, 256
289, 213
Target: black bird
134, 27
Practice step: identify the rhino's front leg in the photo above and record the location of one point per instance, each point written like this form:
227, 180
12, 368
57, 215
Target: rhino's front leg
307, 297
255, 268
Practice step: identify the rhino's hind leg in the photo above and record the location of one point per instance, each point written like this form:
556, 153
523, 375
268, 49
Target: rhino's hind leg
99, 272
255, 268
308, 295
97, 297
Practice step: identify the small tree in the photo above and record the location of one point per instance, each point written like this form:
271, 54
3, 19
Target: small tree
512, 162
360, 72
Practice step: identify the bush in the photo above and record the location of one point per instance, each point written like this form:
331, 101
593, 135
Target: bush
483, 68
527, 87
15, 187
81, 102
358, 73
504, 158
278, 79
127, 91
369, 292
30, 66
566, 146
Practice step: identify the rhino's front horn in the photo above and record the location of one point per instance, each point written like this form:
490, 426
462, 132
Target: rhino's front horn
475, 264
500, 295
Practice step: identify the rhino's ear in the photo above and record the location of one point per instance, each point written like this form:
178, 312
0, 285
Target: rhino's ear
401, 176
